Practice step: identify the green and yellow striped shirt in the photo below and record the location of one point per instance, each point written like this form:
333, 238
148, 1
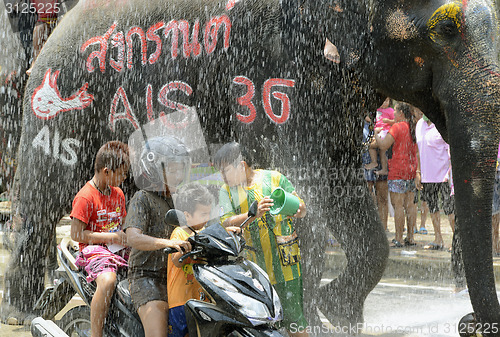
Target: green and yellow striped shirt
261, 234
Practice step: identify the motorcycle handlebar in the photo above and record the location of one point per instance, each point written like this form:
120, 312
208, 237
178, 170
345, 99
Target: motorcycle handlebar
191, 253
169, 250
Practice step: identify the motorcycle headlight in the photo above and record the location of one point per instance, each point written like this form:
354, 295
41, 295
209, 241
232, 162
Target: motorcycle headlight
218, 281
256, 266
255, 311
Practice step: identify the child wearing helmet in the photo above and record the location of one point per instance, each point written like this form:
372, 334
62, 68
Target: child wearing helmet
164, 164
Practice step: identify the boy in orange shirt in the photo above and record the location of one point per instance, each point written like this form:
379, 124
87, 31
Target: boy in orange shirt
196, 202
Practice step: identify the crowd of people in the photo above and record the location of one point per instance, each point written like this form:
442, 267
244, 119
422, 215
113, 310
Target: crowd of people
419, 172
112, 236
419, 164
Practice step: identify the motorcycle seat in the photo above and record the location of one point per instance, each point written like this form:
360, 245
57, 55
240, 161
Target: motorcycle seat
124, 293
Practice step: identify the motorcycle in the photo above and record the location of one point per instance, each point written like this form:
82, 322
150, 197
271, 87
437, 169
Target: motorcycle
242, 299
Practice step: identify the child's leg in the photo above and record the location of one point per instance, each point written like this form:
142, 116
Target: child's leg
177, 324
384, 162
154, 318
373, 156
106, 283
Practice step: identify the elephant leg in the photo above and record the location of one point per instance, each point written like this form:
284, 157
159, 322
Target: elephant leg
313, 234
24, 280
457, 265
358, 229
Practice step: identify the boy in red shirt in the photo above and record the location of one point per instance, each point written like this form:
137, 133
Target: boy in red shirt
97, 215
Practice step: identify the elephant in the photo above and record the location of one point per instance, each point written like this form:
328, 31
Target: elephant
254, 71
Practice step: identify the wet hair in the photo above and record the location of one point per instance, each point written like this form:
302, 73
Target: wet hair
113, 155
231, 154
407, 111
192, 195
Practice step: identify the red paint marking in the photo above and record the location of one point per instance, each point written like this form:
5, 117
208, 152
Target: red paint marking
246, 100
144, 46
149, 102
285, 100
118, 41
211, 33
101, 53
152, 36
174, 86
173, 27
193, 46
230, 4
128, 114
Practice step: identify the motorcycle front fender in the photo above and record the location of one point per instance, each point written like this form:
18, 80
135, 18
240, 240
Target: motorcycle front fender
256, 332
54, 299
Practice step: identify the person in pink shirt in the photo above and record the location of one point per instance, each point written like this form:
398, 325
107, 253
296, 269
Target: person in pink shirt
433, 176
383, 122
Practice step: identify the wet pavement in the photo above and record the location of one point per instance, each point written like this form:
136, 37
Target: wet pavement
416, 296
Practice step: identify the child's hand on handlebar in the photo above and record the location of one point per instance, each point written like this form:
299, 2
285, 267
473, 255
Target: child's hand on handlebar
179, 245
234, 229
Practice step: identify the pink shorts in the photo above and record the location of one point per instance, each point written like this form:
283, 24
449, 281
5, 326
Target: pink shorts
97, 260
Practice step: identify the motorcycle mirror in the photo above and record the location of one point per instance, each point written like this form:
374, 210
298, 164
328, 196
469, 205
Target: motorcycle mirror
252, 210
175, 218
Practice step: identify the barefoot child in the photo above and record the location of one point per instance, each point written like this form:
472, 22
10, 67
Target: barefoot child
383, 122
96, 219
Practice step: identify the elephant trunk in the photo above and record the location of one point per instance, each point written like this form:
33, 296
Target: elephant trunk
473, 133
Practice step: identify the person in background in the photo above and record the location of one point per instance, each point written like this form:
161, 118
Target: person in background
402, 170
377, 184
433, 176
47, 11
424, 208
